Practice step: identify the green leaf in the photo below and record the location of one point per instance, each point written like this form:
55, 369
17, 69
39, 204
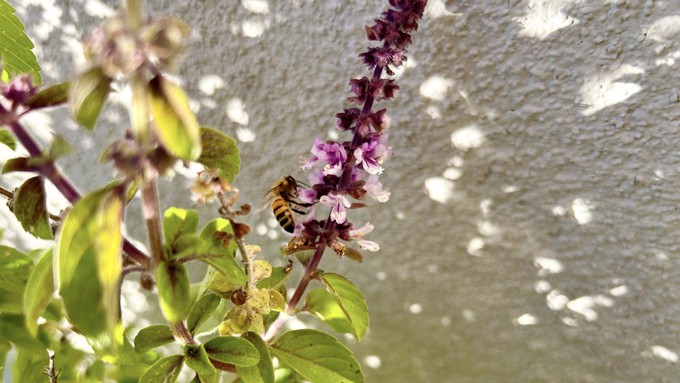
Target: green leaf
201, 311
11, 302
7, 138
197, 359
15, 268
201, 378
233, 350
286, 375
39, 291
126, 354
317, 356
176, 126
31, 210
263, 372
178, 222
218, 236
220, 152
13, 328
50, 96
15, 46
174, 291
350, 300
59, 148
29, 366
276, 279
151, 337
19, 164
322, 304
87, 95
89, 259
165, 370
188, 245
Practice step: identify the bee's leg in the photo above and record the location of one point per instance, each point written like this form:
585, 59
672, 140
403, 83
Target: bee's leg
299, 211
300, 204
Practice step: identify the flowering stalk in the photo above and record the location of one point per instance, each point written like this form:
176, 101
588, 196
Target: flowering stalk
16, 93
340, 171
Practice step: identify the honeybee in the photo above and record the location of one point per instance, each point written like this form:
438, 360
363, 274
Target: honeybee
282, 198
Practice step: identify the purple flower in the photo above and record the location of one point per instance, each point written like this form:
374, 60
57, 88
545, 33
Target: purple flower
358, 234
343, 173
331, 154
374, 189
19, 89
371, 154
338, 205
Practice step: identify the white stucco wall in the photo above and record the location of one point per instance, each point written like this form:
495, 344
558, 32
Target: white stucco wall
532, 233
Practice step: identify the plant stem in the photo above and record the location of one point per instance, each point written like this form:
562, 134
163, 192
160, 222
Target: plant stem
308, 275
49, 370
247, 260
223, 366
181, 332
6, 193
65, 187
150, 208
310, 269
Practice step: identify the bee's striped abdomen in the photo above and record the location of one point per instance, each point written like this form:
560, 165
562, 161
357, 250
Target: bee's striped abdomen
283, 214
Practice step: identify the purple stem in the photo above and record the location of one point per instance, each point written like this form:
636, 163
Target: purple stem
65, 187
310, 269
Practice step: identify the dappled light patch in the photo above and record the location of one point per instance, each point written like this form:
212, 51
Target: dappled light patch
436, 88
546, 17
439, 189
664, 353
208, 84
583, 210
467, 138
603, 90
525, 320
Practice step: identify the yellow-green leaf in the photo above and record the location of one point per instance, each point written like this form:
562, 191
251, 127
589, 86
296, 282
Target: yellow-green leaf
31, 210
218, 236
50, 96
176, 126
59, 147
263, 372
322, 304
15, 269
7, 139
19, 164
174, 291
196, 358
89, 262
178, 222
317, 356
151, 337
13, 328
277, 278
15, 46
201, 311
220, 152
233, 350
165, 370
87, 95
39, 291
350, 300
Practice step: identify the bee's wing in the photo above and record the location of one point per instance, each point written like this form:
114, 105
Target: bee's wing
267, 200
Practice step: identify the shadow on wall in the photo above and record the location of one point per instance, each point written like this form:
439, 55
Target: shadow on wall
561, 119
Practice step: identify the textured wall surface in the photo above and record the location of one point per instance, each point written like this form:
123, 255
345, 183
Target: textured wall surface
532, 233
